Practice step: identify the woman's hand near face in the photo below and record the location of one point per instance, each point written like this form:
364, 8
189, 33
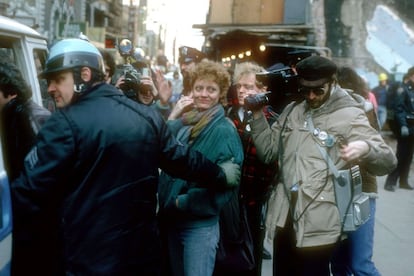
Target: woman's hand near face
184, 104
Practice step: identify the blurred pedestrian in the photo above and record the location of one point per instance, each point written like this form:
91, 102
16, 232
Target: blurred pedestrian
256, 176
303, 217
95, 163
349, 79
177, 87
381, 94
109, 63
189, 212
354, 253
404, 118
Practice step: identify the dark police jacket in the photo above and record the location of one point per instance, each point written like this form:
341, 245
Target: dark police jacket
19, 124
96, 162
404, 107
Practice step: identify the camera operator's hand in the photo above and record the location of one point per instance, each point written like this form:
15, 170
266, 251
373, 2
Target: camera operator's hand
147, 82
184, 104
120, 82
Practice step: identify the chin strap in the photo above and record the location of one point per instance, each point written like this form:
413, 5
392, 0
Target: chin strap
81, 85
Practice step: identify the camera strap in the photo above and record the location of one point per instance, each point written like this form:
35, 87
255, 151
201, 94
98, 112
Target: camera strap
324, 153
340, 178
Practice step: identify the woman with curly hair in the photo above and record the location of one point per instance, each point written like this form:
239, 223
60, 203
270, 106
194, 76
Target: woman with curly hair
189, 212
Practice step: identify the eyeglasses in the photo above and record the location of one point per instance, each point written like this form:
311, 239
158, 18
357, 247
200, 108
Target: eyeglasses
318, 91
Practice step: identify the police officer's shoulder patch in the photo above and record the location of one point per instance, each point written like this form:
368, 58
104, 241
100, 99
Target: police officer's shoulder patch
31, 158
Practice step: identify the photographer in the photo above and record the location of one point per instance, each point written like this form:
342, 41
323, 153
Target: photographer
139, 83
303, 217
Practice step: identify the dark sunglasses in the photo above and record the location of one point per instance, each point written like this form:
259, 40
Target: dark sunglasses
316, 90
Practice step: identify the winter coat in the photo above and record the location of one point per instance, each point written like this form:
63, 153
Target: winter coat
198, 206
96, 162
256, 177
315, 214
20, 123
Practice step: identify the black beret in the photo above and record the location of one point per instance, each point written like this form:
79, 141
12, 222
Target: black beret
189, 54
314, 71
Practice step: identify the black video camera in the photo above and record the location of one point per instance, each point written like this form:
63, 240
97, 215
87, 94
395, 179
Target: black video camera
256, 101
283, 84
132, 76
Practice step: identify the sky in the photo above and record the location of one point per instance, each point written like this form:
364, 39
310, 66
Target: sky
179, 16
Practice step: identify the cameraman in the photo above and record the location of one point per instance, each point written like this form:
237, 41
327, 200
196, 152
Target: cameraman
303, 217
256, 176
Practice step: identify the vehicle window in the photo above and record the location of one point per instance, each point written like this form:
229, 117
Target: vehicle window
7, 50
40, 56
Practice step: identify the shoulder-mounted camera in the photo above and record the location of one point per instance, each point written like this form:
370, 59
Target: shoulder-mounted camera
282, 82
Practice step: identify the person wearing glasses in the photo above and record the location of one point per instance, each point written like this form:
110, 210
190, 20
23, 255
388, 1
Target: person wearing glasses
256, 176
303, 219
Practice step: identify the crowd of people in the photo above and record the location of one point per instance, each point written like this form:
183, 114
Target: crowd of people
132, 177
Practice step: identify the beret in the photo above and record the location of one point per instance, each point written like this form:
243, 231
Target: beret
314, 71
189, 54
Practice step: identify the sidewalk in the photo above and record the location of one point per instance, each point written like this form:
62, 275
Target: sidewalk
394, 230
394, 227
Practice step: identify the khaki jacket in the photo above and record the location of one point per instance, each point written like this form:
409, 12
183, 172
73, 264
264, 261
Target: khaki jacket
289, 140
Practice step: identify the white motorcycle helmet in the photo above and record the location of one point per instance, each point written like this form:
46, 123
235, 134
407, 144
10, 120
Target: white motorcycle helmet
73, 54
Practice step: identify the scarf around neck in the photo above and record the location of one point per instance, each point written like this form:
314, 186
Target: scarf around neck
197, 120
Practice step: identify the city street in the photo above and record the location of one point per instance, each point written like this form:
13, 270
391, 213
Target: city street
394, 230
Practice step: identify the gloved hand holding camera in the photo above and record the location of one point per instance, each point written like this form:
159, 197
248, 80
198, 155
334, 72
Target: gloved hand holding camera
257, 101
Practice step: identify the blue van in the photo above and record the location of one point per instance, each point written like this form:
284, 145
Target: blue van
28, 50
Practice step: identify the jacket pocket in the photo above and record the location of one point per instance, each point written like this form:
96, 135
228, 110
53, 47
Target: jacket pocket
318, 210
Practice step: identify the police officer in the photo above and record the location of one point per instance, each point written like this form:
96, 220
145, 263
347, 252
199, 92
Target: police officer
95, 164
404, 117
188, 58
